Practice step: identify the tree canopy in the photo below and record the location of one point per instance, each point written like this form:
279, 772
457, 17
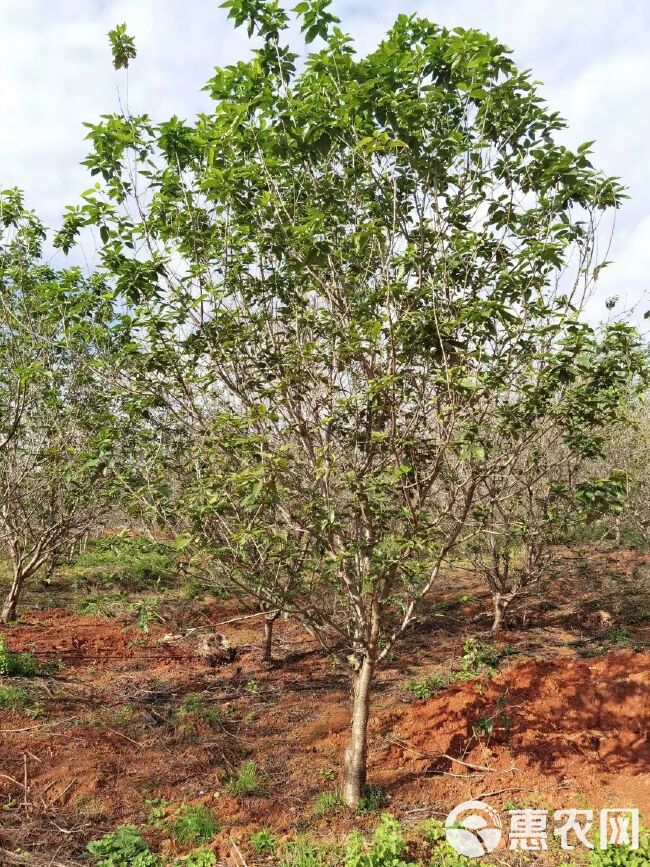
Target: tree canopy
353, 293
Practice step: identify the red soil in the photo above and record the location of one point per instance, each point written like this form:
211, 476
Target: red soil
566, 732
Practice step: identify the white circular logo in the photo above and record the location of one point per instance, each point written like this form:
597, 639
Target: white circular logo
479, 831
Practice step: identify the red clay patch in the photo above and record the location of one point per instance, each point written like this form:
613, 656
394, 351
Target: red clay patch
565, 731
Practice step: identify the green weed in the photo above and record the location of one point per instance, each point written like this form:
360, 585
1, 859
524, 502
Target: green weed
618, 635
17, 664
327, 802
130, 563
499, 719
193, 705
122, 848
622, 856
247, 781
372, 800
157, 817
302, 853
426, 686
194, 823
19, 698
263, 841
198, 858
478, 656
387, 848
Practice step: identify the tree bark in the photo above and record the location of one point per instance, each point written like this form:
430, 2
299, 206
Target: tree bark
267, 642
500, 605
356, 754
11, 600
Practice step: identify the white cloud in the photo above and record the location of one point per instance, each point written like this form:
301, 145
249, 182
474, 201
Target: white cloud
55, 73
629, 277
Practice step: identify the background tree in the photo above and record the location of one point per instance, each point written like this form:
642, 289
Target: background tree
356, 281
57, 423
628, 447
564, 474
20, 242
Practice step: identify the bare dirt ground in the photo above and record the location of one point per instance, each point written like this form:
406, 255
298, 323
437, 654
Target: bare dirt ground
564, 723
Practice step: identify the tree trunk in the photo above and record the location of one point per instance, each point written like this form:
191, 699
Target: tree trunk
267, 642
500, 605
354, 764
11, 601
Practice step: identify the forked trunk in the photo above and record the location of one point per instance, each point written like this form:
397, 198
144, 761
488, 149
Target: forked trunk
11, 601
356, 754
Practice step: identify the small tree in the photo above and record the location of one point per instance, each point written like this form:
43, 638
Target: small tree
57, 424
356, 282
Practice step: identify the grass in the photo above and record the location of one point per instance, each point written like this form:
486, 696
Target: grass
19, 698
194, 705
477, 658
129, 563
301, 852
424, 687
17, 664
247, 781
263, 841
373, 799
194, 824
327, 802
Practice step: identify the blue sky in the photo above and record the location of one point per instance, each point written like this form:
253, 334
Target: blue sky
56, 73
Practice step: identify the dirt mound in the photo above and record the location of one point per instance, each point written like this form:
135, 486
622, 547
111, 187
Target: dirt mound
579, 725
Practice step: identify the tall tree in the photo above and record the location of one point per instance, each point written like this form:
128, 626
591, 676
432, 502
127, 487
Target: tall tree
356, 283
